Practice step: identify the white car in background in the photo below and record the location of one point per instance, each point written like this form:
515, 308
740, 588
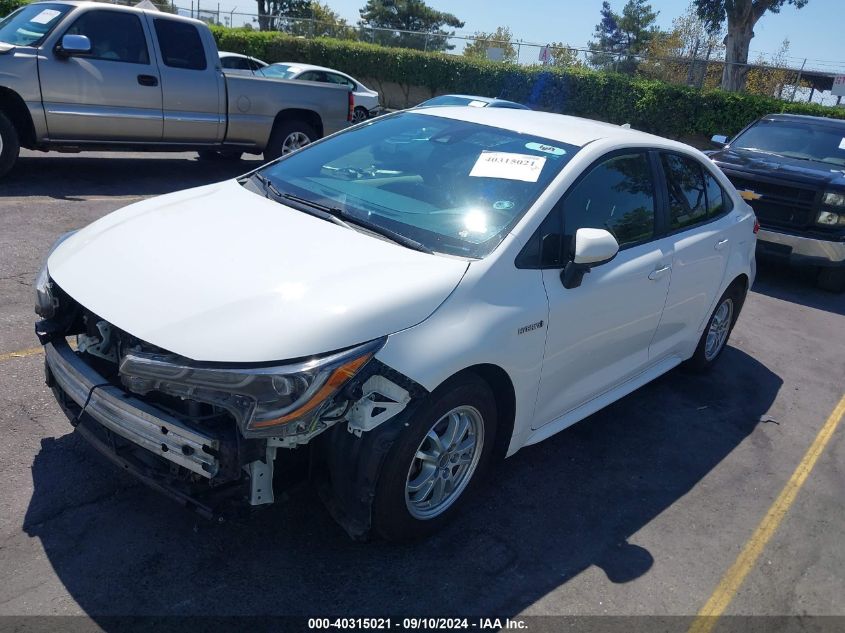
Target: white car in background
235, 63
414, 298
366, 100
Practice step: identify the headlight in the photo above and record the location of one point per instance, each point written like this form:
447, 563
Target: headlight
834, 199
829, 218
45, 301
266, 401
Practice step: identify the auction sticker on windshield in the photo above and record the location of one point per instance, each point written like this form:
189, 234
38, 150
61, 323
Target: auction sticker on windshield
46, 16
523, 167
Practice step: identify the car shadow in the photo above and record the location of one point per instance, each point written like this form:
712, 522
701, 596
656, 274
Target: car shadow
796, 285
78, 176
548, 513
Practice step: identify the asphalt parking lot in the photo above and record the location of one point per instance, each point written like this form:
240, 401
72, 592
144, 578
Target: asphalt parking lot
640, 510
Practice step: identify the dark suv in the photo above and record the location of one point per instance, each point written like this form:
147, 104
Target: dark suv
791, 170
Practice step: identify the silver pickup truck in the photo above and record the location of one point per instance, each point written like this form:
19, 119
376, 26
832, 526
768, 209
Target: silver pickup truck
85, 75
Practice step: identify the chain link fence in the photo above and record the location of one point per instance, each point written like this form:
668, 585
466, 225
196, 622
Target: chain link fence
793, 79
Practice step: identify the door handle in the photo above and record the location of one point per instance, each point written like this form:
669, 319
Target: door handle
147, 80
720, 244
657, 274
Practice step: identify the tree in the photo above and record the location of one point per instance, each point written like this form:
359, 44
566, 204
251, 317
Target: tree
620, 38
272, 14
681, 54
408, 24
501, 38
320, 21
769, 76
741, 16
562, 56
8, 6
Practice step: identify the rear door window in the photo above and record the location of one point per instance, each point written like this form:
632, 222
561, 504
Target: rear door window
687, 191
718, 202
181, 46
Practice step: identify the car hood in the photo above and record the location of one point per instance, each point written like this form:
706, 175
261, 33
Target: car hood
794, 169
219, 273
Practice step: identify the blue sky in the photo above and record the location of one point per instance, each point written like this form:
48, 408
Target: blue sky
814, 31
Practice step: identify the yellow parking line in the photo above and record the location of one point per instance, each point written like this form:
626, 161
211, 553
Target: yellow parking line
32, 351
733, 578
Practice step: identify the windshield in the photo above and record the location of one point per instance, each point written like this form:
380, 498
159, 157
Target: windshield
29, 25
794, 139
452, 186
278, 71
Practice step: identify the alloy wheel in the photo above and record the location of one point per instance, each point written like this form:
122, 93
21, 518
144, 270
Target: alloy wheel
720, 326
444, 463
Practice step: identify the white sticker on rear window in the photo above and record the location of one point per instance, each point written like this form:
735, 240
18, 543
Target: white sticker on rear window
46, 16
523, 167
842, 144
548, 149
476, 104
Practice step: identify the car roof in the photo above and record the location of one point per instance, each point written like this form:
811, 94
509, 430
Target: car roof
228, 54
558, 127
312, 67
120, 7
805, 118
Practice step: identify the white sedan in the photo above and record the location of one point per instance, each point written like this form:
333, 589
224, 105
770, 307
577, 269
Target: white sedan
366, 100
237, 64
416, 298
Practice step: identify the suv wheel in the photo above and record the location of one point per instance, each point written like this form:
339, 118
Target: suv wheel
9, 145
831, 279
441, 456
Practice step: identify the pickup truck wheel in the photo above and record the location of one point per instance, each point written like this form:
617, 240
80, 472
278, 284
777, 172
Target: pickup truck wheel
831, 279
288, 136
440, 457
715, 336
359, 115
213, 154
9, 145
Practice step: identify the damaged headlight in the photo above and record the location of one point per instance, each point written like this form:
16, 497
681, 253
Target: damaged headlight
45, 300
271, 401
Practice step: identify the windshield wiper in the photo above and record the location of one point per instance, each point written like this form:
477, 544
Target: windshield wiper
272, 192
346, 218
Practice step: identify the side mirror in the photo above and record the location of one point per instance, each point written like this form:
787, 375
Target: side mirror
74, 45
593, 247
719, 139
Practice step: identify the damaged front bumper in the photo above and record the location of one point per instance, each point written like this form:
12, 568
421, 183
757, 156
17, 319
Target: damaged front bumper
129, 417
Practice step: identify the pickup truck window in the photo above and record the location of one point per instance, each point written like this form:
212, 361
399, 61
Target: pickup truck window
114, 35
794, 139
180, 43
31, 24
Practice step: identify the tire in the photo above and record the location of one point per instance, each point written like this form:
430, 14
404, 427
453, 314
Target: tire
720, 324
283, 138
360, 115
9, 145
831, 279
402, 514
219, 155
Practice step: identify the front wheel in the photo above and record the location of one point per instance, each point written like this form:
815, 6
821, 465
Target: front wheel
287, 137
718, 329
9, 145
439, 459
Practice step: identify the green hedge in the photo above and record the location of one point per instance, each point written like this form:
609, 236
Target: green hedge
662, 108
